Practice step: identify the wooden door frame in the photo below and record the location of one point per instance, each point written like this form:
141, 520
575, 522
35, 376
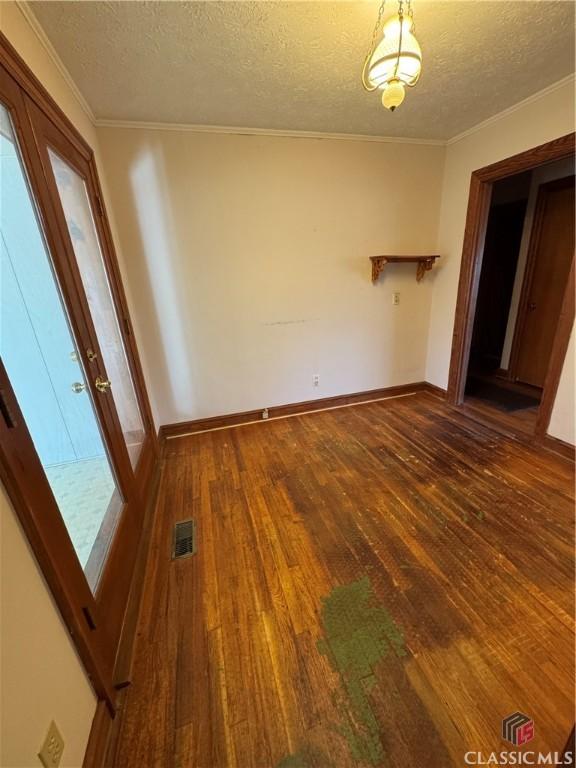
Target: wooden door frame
22, 474
114, 584
107, 664
537, 222
35, 91
479, 199
70, 281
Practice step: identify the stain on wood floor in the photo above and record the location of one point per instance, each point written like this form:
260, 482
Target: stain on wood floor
376, 585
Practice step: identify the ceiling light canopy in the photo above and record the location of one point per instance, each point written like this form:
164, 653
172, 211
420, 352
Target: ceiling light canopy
396, 61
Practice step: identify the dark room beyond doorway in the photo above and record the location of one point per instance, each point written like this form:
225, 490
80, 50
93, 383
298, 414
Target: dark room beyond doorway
528, 252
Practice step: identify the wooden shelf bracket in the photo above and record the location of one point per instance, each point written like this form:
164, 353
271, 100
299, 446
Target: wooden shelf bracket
423, 264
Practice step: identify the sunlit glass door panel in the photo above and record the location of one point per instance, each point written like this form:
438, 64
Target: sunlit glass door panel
42, 360
84, 237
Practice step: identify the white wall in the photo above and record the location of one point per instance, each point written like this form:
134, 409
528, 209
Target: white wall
42, 678
562, 421
531, 124
249, 258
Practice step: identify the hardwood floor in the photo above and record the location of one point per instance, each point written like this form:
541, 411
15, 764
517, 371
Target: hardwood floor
374, 585
523, 420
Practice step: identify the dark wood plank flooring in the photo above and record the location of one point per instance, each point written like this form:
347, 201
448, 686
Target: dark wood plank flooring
374, 585
523, 420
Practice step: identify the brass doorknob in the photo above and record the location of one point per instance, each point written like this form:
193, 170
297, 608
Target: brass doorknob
78, 387
102, 385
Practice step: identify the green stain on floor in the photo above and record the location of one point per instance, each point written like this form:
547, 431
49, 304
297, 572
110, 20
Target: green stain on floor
306, 758
294, 761
358, 634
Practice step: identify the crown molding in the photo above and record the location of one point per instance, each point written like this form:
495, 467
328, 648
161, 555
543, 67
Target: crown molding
510, 110
245, 131
135, 124
24, 8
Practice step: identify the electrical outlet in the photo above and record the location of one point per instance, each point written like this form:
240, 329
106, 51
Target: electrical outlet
396, 298
52, 749
265, 413
316, 380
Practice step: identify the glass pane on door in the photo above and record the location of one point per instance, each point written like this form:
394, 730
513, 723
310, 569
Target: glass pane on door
39, 353
84, 236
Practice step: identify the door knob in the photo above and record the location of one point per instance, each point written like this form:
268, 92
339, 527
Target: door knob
78, 387
102, 385
531, 306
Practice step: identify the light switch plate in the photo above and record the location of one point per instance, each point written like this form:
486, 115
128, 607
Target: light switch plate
51, 752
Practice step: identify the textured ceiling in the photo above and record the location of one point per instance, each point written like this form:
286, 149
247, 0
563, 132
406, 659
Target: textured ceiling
295, 65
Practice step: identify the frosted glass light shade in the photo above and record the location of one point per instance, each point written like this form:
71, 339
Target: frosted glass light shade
397, 56
393, 95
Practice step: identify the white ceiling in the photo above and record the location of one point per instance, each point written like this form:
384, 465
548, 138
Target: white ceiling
295, 66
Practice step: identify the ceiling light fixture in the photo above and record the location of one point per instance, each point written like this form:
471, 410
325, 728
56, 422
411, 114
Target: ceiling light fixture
396, 62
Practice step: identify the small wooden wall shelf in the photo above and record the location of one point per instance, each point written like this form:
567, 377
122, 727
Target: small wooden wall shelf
423, 264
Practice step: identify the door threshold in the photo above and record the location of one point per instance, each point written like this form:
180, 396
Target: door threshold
546, 443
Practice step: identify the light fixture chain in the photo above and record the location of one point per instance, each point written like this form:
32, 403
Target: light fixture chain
411, 15
377, 26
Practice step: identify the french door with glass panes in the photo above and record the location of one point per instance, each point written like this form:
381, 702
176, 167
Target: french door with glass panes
77, 442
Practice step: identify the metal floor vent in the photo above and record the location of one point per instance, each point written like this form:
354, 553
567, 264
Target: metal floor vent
184, 541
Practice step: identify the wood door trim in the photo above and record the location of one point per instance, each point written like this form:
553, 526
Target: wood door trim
14, 99
23, 477
25, 94
98, 738
119, 297
105, 728
15, 65
27, 80
475, 230
97, 557
114, 584
479, 199
557, 357
534, 242
47, 134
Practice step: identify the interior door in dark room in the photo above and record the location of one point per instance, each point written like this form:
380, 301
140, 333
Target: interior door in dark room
548, 267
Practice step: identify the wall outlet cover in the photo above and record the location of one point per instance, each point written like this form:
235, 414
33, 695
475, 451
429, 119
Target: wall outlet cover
51, 752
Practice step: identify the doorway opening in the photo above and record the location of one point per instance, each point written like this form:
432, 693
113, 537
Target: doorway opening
526, 261
515, 308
